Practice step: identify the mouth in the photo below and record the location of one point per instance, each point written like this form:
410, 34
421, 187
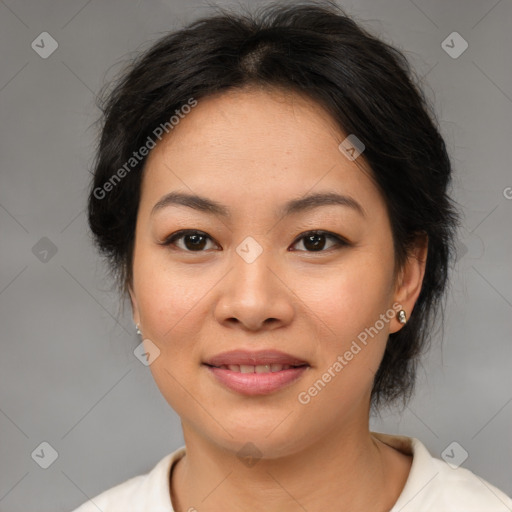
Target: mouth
260, 368
255, 373
262, 359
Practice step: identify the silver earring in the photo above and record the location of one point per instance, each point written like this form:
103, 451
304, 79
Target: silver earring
402, 316
137, 328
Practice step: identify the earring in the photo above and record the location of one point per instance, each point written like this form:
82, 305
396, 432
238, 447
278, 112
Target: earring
137, 328
402, 316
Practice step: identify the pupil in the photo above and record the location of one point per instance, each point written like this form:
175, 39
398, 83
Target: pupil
316, 243
198, 241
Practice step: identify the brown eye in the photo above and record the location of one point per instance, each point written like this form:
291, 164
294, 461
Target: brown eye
315, 241
191, 240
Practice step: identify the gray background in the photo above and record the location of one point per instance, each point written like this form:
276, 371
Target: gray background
68, 375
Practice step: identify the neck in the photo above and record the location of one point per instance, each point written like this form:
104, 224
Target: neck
351, 471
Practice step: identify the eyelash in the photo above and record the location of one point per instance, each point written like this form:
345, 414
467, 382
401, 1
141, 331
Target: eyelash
340, 242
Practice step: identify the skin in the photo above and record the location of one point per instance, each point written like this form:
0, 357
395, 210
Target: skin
252, 150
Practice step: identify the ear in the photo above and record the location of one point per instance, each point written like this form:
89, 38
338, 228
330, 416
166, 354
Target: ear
135, 306
410, 279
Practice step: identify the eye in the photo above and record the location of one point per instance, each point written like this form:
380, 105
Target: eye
193, 240
315, 241
197, 241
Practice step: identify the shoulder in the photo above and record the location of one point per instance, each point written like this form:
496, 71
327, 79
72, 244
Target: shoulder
126, 494
469, 492
433, 484
142, 492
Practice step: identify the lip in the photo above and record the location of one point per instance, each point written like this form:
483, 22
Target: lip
258, 357
255, 383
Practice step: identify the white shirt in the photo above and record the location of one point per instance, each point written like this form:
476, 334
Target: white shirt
432, 486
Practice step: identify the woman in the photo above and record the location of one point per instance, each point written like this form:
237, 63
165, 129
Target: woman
272, 194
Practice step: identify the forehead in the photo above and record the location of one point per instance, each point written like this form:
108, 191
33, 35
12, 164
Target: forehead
257, 145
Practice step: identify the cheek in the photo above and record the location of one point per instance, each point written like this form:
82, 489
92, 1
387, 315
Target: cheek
352, 295
167, 296
349, 355
170, 307
353, 303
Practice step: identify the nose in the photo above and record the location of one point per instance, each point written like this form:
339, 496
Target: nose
255, 295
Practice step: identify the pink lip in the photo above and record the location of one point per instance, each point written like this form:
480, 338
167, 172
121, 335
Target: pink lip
259, 357
257, 383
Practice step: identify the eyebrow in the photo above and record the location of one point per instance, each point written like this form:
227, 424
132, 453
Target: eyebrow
293, 206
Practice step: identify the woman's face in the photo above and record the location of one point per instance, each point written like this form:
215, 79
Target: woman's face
255, 280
